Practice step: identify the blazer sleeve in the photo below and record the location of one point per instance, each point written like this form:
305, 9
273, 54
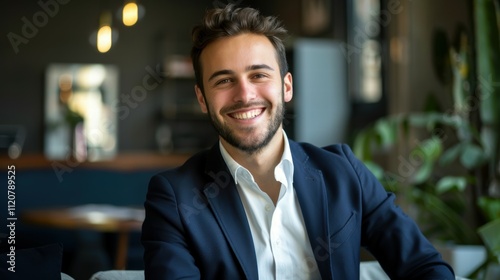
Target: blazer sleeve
393, 237
166, 255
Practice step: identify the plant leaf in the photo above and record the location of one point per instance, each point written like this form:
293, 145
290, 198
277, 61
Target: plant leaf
453, 225
450, 183
387, 130
361, 147
423, 173
451, 154
472, 156
490, 236
428, 151
490, 207
423, 119
376, 169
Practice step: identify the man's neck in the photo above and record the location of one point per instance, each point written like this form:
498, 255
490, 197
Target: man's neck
262, 163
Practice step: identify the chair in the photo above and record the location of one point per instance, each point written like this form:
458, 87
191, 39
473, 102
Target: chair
368, 270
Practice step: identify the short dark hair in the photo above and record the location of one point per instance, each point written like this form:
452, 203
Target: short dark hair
231, 21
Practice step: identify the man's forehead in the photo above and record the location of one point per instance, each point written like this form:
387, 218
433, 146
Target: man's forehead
249, 49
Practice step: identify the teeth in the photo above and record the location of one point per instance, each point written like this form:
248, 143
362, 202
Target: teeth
247, 115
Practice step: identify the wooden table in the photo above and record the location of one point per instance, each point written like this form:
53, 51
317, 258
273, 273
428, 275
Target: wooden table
101, 218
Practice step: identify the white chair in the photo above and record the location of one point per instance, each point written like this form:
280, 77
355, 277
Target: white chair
368, 270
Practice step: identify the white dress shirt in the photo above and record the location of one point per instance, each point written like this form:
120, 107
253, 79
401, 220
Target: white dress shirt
279, 234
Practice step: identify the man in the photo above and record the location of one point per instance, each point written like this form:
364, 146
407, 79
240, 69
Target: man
258, 205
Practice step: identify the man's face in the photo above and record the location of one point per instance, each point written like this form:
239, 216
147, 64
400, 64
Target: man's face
244, 92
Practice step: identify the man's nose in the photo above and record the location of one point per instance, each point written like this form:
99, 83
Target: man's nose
245, 91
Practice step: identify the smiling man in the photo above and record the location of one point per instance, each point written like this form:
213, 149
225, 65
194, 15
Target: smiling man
246, 94
258, 205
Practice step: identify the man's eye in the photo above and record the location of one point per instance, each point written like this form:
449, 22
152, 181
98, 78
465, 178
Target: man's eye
223, 81
259, 76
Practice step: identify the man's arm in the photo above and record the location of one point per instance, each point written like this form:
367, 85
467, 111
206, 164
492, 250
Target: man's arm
393, 237
166, 255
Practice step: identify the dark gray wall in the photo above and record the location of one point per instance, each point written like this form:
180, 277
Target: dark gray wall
62, 36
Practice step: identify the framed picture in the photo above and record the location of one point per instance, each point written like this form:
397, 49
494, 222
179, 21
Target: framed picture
80, 118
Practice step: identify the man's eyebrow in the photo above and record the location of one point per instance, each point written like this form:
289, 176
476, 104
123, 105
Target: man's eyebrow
248, 68
259, 66
219, 73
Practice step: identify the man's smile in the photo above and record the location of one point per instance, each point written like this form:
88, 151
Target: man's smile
246, 115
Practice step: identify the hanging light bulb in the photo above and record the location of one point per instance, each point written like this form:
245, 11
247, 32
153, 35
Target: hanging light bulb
104, 39
130, 13
105, 33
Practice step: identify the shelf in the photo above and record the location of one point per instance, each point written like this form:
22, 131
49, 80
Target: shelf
122, 162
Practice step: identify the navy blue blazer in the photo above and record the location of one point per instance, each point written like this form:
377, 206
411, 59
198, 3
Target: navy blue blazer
196, 227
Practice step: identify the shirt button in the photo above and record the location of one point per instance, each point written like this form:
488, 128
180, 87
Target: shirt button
269, 207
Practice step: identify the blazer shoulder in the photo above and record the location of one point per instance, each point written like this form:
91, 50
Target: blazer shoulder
308, 151
203, 167
335, 159
192, 167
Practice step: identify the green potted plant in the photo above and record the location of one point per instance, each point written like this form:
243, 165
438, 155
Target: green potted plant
447, 163
487, 29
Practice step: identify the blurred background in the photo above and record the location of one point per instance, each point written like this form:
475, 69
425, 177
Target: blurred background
96, 96
381, 40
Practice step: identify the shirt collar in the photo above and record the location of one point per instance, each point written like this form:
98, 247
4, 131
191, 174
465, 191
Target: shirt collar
283, 171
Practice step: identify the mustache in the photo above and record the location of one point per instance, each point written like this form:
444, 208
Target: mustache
240, 106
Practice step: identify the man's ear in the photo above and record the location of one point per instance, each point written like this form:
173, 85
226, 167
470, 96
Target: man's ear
288, 87
201, 99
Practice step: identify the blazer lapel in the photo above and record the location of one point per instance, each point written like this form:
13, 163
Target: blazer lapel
225, 202
310, 188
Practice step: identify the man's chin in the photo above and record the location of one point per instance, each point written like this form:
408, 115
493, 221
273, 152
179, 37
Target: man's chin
245, 144
252, 144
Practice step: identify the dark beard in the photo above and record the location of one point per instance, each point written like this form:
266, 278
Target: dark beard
251, 148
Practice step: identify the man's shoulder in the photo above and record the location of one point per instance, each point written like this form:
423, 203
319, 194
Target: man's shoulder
308, 150
193, 166
335, 158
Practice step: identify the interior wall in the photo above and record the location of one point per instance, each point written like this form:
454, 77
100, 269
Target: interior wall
412, 74
64, 37
58, 31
